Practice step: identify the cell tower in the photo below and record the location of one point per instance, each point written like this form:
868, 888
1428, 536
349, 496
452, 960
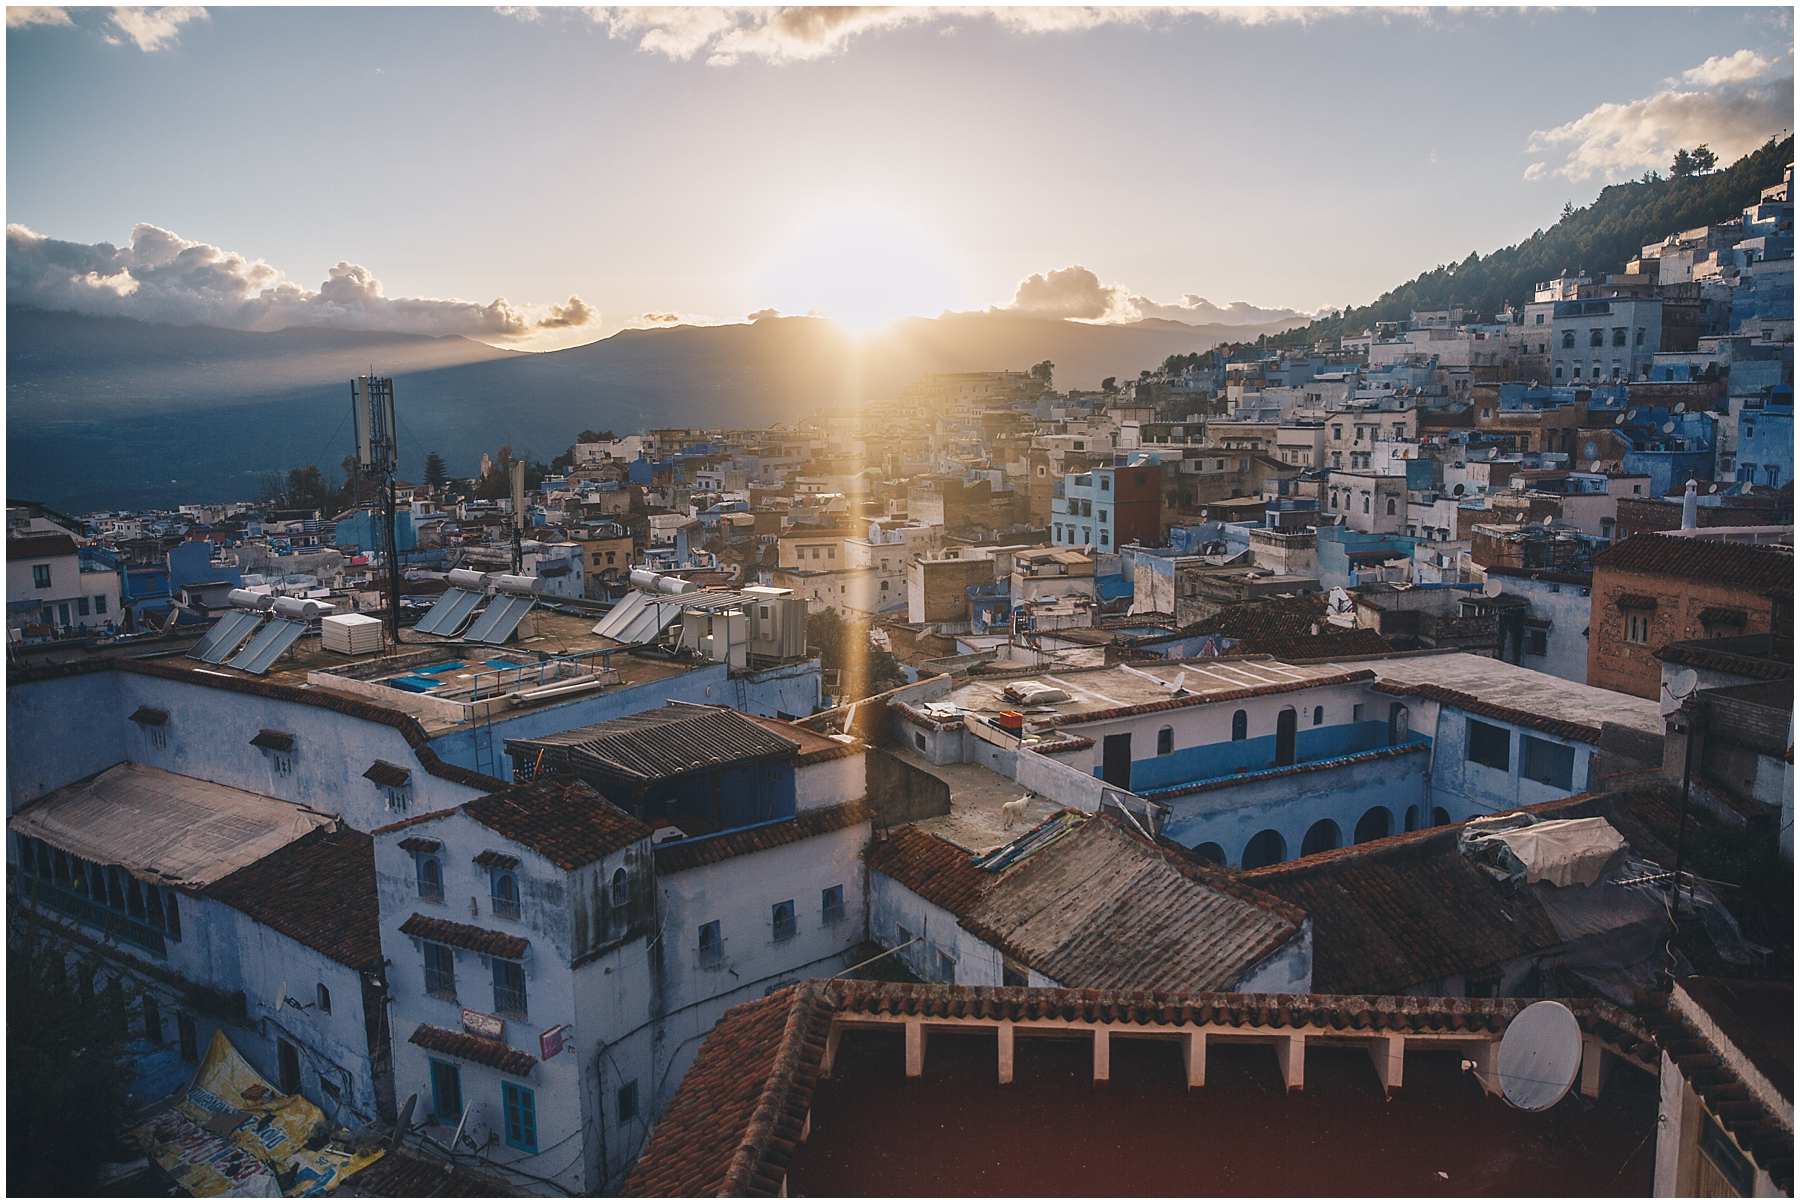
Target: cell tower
377, 455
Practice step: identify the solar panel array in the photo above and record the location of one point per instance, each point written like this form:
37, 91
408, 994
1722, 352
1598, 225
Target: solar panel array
449, 612
502, 617
222, 639
273, 640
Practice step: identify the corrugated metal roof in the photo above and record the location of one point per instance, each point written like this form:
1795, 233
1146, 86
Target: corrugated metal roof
662, 743
163, 827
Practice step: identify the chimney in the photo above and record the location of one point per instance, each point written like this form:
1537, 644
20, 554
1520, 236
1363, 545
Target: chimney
1690, 505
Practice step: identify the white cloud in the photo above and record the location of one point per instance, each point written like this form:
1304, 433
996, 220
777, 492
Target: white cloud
1728, 69
1727, 104
726, 36
1076, 292
20, 15
150, 29
162, 277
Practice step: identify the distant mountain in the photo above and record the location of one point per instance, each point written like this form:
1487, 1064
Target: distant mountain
1599, 239
111, 412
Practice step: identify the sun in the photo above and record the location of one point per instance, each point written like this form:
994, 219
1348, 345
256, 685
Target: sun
862, 265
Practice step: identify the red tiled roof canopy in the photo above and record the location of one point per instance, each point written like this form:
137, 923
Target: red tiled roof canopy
318, 890
566, 820
1761, 568
497, 1054
706, 850
465, 936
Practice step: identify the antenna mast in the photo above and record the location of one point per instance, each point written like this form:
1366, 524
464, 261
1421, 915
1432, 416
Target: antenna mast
372, 408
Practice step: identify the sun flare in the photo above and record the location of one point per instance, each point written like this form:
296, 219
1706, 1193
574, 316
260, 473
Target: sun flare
863, 266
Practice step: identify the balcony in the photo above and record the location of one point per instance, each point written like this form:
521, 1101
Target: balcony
84, 910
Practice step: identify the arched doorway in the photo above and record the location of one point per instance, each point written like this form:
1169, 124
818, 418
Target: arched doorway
1322, 837
1412, 818
1265, 848
1211, 853
1439, 817
1284, 736
1399, 723
1375, 823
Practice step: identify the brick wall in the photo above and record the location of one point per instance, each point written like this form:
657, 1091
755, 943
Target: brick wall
1614, 663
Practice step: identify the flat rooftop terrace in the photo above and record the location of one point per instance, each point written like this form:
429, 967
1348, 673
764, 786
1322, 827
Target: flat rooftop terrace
1095, 690
956, 1131
1523, 689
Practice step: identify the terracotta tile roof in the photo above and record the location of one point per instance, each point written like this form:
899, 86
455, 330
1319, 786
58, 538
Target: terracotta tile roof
1761, 568
721, 846
401, 1174
1390, 914
465, 936
502, 861
733, 1127
151, 716
931, 867
497, 1054
384, 774
273, 740
418, 844
565, 820
1634, 602
32, 547
1703, 1064
318, 890
1568, 729
1284, 627
1700, 654
660, 743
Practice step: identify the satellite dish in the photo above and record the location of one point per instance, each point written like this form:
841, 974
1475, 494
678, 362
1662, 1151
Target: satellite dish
1494, 587
1458, 491
1540, 1055
464, 1122
1596, 466
1631, 414
1681, 407
1619, 421
1677, 688
1713, 488
1668, 428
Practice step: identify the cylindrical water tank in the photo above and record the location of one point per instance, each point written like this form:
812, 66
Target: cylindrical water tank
297, 608
656, 583
513, 583
245, 599
467, 579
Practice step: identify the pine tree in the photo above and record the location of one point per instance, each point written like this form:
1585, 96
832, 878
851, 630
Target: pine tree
435, 472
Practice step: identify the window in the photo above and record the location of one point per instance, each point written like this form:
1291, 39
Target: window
40, 576
783, 920
1365, 498
1165, 741
1013, 975
282, 763
1568, 339
1240, 725
152, 1020
1637, 627
325, 999
1539, 322
1547, 762
1490, 745
440, 970
190, 1038
1390, 506
1356, 712
712, 944
503, 893
1318, 716
430, 878
1638, 340
1618, 336
1537, 642
943, 964
509, 987
1596, 337
628, 1102
831, 905
287, 1057
81, 606
520, 1108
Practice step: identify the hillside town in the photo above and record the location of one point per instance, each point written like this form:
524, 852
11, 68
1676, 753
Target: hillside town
702, 811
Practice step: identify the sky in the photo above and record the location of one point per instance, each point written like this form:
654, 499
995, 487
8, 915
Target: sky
539, 177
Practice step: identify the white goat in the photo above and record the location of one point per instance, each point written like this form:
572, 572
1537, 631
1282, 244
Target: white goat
1015, 810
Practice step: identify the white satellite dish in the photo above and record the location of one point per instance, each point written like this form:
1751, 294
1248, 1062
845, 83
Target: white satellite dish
1596, 466
1494, 587
1681, 407
1668, 428
1713, 488
1676, 690
1631, 414
1619, 421
1540, 1055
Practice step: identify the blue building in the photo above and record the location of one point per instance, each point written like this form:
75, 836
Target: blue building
1765, 454
360, 531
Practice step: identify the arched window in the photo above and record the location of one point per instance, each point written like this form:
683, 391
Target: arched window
503, 889
1412, 818
1439, 816
1285, 723
1390, 505
1318, 716
1265, 848
324, 999
1210, 853
1365, 503
1375, 823
1322, 837
1568, 339
431, 878
621, 889
1240, 725
1165, 741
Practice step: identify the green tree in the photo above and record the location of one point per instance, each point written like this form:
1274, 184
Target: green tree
1568, 211
1110, 385
596, 437
435, 472
65, 1066
1683, 166
1704, 160
1043, 372
843, 645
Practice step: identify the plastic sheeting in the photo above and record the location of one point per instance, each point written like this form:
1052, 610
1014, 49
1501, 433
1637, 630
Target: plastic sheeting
1561, 852
231, 1133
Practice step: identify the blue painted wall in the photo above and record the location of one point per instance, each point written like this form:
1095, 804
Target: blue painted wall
1205, 761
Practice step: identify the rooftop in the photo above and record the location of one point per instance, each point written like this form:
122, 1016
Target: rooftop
164, 827
664, 742
1762, 568
1528, 693
318, 890
567, 821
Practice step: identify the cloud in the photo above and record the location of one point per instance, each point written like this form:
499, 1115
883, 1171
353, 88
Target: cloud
663, 319
19, 16
1734, 111
162, 277
574, 312
1076, 293
791, 34
1072, 292
1728, 69
760, 314
151, 29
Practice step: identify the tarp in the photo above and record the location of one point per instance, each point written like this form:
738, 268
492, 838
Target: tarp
1564, 852
232, 1133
